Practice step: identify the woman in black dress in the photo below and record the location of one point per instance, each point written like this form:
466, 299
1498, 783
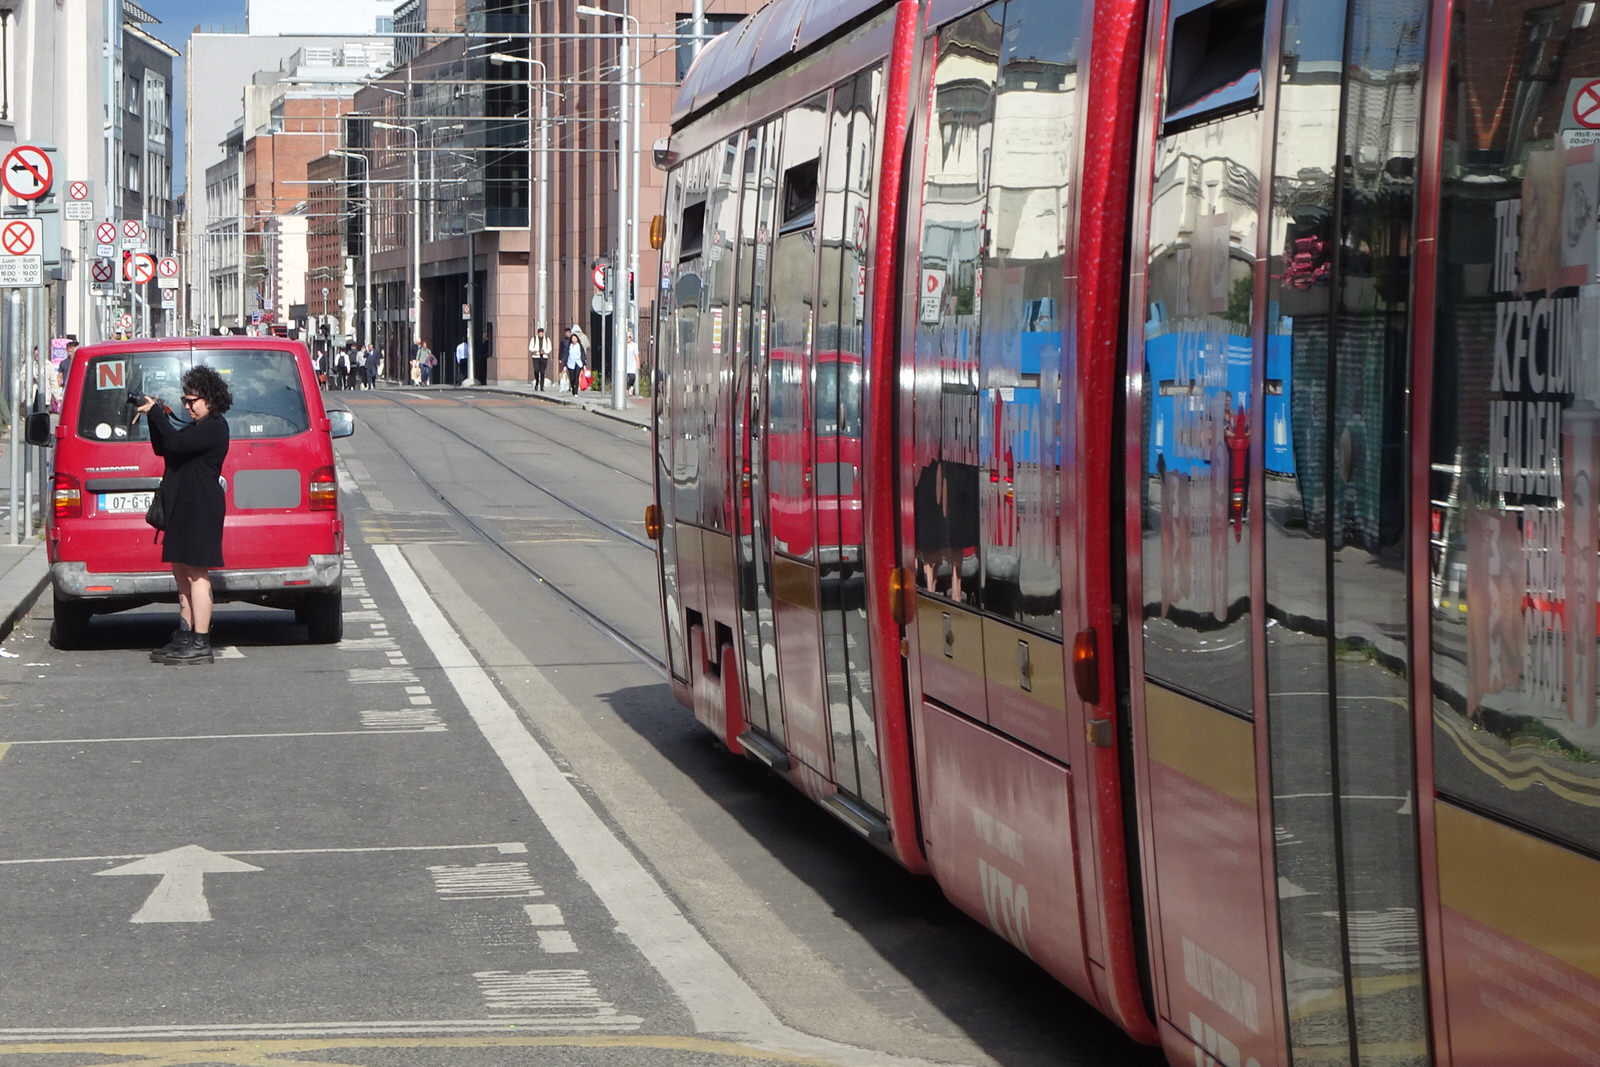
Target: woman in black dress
192, 494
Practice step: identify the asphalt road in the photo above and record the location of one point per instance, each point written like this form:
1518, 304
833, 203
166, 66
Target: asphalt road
477, 831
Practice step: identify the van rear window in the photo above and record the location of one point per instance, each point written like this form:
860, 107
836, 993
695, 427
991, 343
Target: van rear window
104, 413
267, 397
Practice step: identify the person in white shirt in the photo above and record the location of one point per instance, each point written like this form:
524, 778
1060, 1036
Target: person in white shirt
538, 359
631, 364
461, 361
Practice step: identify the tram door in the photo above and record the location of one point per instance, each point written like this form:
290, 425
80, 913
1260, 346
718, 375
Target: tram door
758, 633
1272, 685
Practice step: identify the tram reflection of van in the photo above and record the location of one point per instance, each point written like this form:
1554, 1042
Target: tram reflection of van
813, 432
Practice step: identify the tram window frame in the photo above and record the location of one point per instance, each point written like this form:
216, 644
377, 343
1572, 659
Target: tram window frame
800, 196
693, 221
1210, 47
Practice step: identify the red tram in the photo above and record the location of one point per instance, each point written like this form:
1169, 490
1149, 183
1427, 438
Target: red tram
1132, 461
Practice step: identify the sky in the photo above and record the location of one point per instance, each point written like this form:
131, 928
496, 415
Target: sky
178, 20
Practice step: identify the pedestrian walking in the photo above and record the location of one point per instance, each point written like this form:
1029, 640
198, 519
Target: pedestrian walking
428, 360
461, 362
361, 368
341, 369
576, 359
538, 359
631, 364
194, 504
372, 366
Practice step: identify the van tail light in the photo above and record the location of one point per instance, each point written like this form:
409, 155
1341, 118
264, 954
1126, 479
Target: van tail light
67, 495
652, 521
324, 490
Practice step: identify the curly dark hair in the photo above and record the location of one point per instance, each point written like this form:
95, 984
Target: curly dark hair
207, 384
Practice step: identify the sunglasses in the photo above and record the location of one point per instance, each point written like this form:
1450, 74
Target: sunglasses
189, 400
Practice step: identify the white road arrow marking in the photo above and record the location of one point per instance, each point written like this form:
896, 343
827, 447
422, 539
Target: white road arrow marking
180, 896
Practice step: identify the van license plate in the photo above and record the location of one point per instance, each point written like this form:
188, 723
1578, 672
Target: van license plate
126, 503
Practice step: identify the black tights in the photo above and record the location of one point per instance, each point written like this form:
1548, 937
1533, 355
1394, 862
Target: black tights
572, 378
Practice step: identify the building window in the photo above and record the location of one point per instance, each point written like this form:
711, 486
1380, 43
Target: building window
715, 26
155, 106
132, 169
5, 64
130, 95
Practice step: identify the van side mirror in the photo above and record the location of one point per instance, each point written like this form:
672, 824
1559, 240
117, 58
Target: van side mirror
36, 431
341, 423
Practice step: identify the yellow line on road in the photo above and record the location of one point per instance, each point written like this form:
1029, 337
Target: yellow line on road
285, 1053
4, 747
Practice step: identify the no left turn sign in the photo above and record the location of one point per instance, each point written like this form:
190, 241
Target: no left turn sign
27, 172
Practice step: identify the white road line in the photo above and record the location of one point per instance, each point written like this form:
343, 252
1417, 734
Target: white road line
544, 914
221, 737
508, 1024
718, 1000
556, 942
505, 848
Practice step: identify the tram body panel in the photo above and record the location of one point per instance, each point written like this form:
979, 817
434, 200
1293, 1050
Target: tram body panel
1203, 799
1514, 947
998, 820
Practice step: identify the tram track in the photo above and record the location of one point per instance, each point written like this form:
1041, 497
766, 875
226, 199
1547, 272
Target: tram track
617, 437
594, 618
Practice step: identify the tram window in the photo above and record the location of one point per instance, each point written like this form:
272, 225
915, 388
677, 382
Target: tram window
799, 196
1022, 350
1214, 61
1513, 513
946, 403
693, 231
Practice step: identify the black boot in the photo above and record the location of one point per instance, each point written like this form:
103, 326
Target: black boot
178, 640
196, 650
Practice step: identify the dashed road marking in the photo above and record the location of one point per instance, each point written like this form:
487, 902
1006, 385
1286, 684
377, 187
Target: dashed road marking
366, 644
406, 719
485, 881
381, 675
568, 992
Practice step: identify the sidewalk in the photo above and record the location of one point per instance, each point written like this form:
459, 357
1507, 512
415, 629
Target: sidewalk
637, 411
24, 574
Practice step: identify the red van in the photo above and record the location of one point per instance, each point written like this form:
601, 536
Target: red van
283, 539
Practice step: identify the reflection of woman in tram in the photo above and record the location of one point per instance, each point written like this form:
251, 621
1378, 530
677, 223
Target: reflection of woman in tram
946, 500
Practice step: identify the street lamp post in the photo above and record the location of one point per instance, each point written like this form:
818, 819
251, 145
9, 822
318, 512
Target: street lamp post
416, 229
366, 241
541, 311
625, 176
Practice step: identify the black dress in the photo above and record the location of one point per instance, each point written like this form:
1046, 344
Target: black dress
191, 488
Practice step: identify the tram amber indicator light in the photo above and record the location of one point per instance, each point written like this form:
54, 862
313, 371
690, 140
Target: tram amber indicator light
899, 595
652, 521
1086, 667
658, 232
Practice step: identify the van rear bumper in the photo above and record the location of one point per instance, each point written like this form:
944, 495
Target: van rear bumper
74, 581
